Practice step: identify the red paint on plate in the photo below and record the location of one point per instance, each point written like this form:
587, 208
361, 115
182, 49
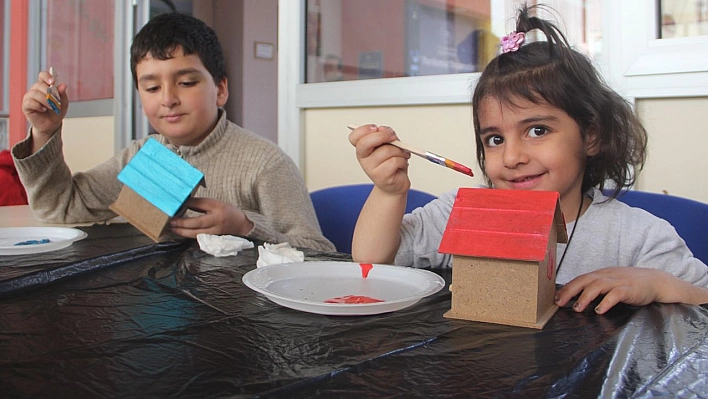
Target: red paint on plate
353, 299
365, 269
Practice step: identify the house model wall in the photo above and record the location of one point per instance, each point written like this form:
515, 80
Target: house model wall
503, 244
157, 183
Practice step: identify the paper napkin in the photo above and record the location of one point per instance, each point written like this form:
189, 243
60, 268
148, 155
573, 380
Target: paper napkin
222, 245
270, 254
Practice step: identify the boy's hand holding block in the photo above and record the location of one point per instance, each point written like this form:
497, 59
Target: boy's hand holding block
157, 183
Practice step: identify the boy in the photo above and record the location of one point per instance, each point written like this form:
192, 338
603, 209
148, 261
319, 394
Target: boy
253, 189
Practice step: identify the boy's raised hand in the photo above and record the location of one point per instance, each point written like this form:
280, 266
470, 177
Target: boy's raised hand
218, 218
40, 115
386, 165
631, 285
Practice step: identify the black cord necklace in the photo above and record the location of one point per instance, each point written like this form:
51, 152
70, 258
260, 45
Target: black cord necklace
572, 232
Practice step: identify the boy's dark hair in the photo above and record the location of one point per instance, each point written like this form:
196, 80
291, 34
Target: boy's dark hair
162, 35
551, 72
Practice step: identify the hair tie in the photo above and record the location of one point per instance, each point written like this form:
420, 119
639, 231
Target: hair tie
512, 41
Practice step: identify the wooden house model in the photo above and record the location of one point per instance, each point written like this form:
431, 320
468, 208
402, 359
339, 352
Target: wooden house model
503, 244
157, 182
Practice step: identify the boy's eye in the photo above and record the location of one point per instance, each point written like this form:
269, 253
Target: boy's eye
151, 89
493, 140
188, 83
537, 131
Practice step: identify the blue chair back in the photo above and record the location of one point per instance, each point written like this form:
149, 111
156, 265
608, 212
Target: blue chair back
689, 217
338, 209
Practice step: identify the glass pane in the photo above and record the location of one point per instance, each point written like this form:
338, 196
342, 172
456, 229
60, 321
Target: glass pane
683, 18
80, 46
367, 39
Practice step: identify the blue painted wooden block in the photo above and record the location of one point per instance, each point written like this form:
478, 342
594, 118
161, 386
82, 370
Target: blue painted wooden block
161, 177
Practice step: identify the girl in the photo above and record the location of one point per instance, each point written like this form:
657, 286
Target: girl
544, 120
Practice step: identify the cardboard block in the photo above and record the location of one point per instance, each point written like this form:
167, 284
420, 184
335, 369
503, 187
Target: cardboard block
141, 213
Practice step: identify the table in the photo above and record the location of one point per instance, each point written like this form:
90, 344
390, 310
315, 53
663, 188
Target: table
116, 315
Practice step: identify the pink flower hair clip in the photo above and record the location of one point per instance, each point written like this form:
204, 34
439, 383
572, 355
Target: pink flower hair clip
512, 41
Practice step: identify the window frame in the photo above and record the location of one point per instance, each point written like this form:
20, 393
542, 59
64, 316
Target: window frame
642, 66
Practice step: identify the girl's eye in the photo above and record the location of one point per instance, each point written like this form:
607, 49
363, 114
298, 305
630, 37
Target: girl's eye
537, 131
493, 141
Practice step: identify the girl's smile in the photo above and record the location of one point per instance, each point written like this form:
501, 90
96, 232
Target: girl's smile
527, 182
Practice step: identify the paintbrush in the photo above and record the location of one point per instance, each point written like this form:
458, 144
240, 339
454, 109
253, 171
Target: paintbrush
435, 158
53, 97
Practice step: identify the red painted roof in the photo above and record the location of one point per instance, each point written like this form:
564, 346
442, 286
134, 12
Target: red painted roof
502, 224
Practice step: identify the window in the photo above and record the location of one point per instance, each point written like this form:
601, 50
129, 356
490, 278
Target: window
366, 39
350, 40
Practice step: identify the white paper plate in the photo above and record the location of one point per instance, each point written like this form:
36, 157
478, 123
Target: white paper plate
306, 286
59, 237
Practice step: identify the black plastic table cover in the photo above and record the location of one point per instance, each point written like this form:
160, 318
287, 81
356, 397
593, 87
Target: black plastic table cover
117, 316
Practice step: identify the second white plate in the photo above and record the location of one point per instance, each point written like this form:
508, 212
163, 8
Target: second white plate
306, 286
59, 237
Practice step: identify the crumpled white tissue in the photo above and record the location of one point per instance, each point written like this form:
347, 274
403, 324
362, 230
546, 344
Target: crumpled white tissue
270, 254
222, 245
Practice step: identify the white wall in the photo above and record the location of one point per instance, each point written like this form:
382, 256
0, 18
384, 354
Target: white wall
260, 76
87, 141
678, 140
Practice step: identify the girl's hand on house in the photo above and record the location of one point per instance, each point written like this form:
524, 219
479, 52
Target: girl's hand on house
45, 122
218, 218
631, 285
386, 165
